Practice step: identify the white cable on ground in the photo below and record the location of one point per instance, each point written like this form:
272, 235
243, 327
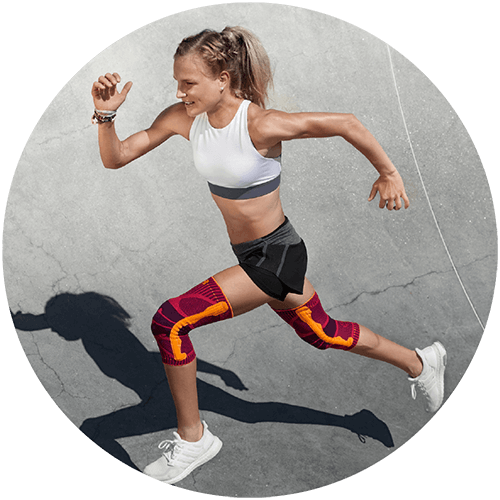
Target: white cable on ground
425, 192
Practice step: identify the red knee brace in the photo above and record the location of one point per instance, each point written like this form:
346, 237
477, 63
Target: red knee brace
315, 327
203, 304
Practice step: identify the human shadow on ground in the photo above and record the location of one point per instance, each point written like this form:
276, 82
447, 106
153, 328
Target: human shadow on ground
103, 327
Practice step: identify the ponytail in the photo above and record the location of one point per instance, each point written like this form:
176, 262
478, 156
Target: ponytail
240, 53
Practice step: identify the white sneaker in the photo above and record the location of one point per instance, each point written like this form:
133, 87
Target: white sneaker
431, 380
180, 457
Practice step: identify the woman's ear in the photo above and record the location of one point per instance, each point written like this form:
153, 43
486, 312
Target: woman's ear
224, 79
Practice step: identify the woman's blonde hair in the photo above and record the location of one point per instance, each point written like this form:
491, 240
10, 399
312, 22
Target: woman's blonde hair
240, 53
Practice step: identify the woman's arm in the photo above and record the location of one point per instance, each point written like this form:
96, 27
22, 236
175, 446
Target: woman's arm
271, 127
116, 153
389, 185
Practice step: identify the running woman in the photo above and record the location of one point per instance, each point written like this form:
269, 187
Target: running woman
222, 82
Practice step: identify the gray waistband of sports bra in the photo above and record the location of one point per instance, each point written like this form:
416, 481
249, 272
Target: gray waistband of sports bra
245, 193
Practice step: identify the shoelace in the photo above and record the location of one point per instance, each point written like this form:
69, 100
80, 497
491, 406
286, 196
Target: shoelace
171, 446
178, 452
413, 390
422, 387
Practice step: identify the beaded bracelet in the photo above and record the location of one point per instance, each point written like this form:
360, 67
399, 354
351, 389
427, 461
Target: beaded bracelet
103, 116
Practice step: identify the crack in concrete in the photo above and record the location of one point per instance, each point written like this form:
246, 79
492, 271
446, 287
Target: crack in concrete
378, 292
406, 285
61, 383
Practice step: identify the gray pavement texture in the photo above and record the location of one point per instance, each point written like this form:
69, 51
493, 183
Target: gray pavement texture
89, 254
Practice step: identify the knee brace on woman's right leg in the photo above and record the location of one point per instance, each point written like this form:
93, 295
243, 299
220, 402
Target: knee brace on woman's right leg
314, 326
203, 304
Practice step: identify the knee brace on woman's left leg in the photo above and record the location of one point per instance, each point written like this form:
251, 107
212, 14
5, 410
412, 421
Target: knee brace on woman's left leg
315, 327
203, 304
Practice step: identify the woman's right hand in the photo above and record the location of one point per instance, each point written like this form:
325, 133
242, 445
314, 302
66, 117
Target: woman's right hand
106, 95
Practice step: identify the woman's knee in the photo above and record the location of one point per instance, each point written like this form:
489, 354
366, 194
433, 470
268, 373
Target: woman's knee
203, 304
317, 328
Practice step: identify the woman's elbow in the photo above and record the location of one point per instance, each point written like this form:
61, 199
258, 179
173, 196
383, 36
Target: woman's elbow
108, 166
111, 164
352, 126
352, 121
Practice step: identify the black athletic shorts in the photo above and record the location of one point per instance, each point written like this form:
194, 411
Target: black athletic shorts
276, 263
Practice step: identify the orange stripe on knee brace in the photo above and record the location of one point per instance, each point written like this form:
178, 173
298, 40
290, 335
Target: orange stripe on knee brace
305, 314
175, 340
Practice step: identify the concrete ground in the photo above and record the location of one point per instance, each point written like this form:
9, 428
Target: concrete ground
89, 254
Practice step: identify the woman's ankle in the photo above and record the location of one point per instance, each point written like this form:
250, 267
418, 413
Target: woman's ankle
191, 433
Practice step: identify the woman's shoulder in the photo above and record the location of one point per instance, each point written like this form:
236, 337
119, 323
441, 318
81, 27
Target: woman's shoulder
262, 126
270, 114
259, 116
254, 110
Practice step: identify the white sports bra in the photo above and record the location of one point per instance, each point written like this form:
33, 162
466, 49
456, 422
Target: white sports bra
228, 160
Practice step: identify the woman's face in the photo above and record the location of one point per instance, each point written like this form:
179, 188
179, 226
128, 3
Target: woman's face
197, 88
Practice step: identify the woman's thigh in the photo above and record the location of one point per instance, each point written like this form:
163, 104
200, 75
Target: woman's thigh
244, 295
241, 292
293, 299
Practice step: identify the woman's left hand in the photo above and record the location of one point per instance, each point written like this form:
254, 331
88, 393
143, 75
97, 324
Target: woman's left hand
391, 190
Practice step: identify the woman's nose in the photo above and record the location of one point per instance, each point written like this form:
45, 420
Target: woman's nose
180, 94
